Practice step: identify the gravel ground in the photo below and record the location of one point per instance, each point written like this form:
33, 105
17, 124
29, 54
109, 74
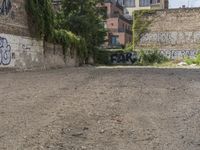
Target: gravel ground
100, 109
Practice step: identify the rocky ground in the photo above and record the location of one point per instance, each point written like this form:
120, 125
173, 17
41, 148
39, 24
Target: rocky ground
100, 109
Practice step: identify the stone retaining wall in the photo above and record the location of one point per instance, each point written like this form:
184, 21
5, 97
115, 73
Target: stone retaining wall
22, 52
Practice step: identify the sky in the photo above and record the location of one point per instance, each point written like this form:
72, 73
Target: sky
179, 3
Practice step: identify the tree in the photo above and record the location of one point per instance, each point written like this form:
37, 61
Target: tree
85, 19
77, 26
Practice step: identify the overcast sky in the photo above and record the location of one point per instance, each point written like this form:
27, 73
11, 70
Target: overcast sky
179, 3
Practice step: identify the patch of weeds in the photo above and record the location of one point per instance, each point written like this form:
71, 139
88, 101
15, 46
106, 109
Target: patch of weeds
151, 57
195, 60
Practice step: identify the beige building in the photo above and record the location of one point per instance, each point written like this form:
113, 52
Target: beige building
132, 5
159, 4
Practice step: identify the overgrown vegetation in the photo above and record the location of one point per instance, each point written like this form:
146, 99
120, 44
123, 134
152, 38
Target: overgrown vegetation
103, 57
71, 41
78, 25
191, 61
144, 57
151, 57
40, 18
128, 47
140, 26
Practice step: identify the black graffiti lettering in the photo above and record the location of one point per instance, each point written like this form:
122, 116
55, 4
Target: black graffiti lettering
124, 58
132, 57
26, 47
121, 58
114, 58
129, 57
5, 52
5, 7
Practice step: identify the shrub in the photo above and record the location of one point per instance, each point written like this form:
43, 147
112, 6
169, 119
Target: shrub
102, 57
189, 61
151, 57
196, 60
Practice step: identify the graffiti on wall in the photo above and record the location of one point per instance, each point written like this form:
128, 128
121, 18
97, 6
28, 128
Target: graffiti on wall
132, 57
179, 54
124, 58
5, 52
5, 7
168, 38
26, 47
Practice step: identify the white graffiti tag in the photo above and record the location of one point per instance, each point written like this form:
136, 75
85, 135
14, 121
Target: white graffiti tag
5, 52
179, 54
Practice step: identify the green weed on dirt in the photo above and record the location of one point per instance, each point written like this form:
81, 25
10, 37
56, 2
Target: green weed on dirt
195, 60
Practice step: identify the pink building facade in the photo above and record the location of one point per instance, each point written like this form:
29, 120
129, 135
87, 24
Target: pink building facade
119, 28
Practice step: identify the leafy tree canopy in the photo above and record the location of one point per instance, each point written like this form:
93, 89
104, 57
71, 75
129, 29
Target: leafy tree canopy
85, 19
79, 24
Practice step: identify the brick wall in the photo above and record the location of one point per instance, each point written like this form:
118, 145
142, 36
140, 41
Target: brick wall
177, 29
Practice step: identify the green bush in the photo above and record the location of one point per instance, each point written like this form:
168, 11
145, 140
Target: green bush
189, 61
196, 60
151, 57
102, 57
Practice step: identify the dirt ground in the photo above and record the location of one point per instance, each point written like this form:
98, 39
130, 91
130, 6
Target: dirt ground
100, 109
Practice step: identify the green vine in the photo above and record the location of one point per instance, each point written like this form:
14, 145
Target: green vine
41, 19
140, 25
69, 40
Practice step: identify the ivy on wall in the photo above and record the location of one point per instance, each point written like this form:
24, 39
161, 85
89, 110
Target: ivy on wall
140, 25
41, 19
70, 40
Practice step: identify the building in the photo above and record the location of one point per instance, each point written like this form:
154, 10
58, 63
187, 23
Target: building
131, 5
119, 28
159, 4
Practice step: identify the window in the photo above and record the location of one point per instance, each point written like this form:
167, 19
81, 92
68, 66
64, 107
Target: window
154, 1
121, 2
114, 40
129, 3
144, 3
